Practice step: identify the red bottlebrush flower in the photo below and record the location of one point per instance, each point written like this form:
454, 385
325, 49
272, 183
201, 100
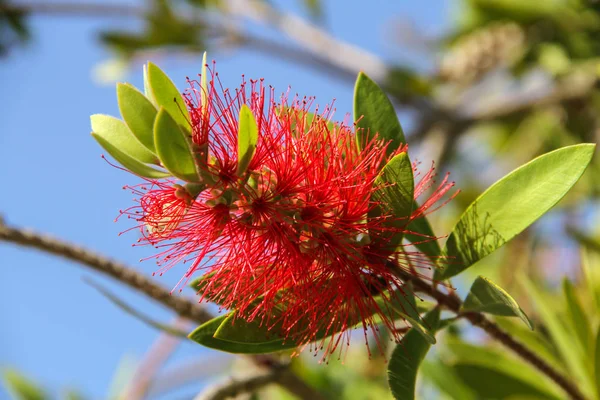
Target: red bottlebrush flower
287, 242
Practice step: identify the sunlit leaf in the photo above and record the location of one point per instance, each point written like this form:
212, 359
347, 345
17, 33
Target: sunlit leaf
129, 162
138, 113
117, 133
512, 204
165, 94
375, 114
174, 148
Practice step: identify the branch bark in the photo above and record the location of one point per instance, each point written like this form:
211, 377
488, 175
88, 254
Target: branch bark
183, 307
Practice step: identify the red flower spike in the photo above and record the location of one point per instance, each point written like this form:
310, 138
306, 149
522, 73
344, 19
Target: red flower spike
287, 243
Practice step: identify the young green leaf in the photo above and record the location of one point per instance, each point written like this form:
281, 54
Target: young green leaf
117, 133
512, 204
147, 90
406, 358
165, 94
129, 162
205, 335
375, 114
174, 147
138, 113
247, 139
21, 388
487, 297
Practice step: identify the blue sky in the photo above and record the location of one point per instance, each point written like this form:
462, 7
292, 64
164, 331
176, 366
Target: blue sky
55, 328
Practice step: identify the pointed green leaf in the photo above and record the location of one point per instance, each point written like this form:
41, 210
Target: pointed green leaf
395, 195
174, 148
578, 318
597, 363
117, 133
487, 297
129, 162
22, 388
147, 91
406, 358
165, 94
512, 204
570, 350
247, 139
375, 114
138, 113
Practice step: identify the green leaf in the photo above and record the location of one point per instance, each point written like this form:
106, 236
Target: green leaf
147, 90
406, 358
395, 195
204, 335
117, 133
174, 147
129, 162
579, 320
165, 94
21, 388
502, 362
423, 237
375, 114
487, 297
512, 204
570, 350
138, 113
597, 363
235, 335
247, 139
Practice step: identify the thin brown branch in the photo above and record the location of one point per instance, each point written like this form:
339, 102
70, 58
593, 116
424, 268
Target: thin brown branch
78, 9
235, 386
453, 303
183, 307
313, 39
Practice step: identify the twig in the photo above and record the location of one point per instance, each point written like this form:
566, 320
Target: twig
453, 303
183, 307
235, 386
315, 40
